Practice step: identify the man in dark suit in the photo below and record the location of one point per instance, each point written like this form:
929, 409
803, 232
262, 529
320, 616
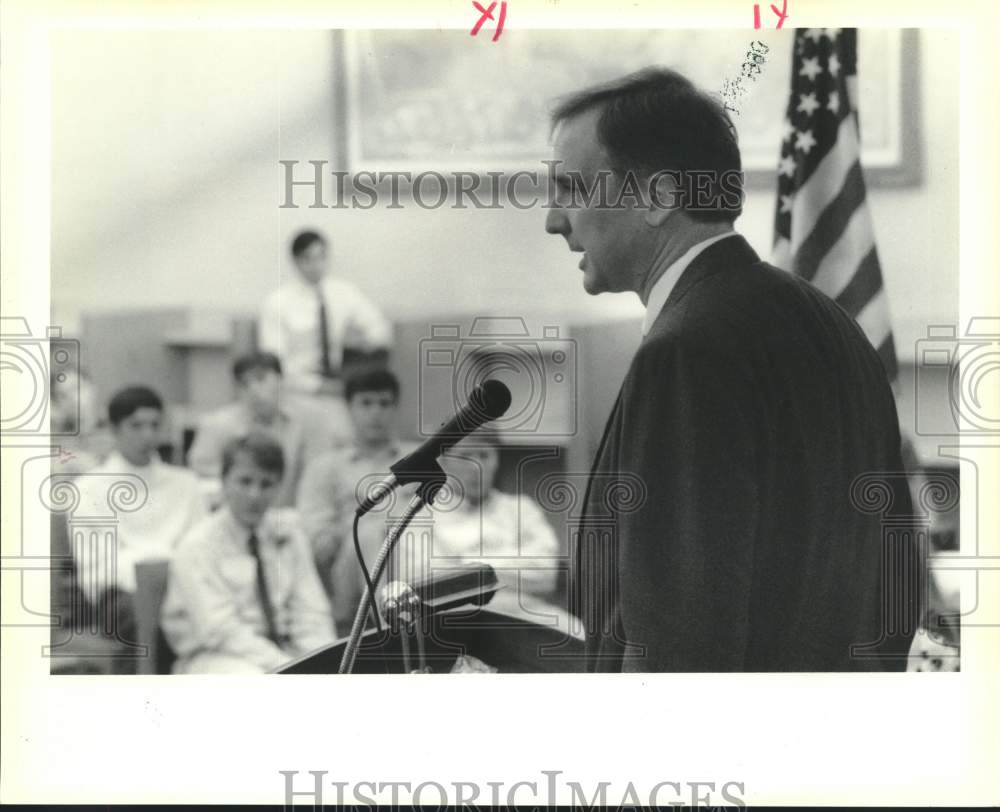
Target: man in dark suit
745, 425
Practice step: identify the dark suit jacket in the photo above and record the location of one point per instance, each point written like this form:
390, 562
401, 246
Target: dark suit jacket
719, 532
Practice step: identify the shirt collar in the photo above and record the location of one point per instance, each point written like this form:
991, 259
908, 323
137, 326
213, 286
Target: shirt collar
665, 284
282, 416
359, 452
265, 531
307, 288
116, 462
238, 531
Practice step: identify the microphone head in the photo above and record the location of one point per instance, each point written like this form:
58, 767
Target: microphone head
491, 399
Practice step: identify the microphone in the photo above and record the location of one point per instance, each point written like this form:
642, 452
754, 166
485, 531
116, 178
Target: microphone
488, 401
473, 584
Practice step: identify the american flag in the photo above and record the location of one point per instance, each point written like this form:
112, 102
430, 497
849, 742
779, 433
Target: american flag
822, 225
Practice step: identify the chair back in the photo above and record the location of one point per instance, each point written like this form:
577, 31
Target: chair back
151, 588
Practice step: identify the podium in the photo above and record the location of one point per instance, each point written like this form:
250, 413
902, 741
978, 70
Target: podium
510, 644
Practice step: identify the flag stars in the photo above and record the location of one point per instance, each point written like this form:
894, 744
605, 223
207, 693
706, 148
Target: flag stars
786, 204
805, 141
815, 34
787, 128
786, 166
833, 103
807, 103
831, 33
833, 65
810, 68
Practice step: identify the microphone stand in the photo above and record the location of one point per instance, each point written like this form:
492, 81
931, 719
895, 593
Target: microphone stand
430, 483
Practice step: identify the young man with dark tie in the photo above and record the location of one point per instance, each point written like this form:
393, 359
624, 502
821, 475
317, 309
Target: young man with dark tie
313, 319
243, 594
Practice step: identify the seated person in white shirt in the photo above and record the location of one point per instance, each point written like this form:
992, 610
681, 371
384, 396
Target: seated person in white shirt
508, 531
167, 503
313, 318
262, 405
328, 495
243, 594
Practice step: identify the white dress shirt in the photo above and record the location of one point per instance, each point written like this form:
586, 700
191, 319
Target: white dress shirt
665, 284
327, 500
300, 426
289, 327
145, 530
510, 533
213, 605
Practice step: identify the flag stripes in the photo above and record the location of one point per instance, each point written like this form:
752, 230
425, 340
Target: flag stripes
823, 229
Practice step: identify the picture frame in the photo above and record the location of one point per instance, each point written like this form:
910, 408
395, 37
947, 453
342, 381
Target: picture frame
421, 100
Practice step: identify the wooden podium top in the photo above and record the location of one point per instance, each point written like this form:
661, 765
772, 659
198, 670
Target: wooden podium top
510, 644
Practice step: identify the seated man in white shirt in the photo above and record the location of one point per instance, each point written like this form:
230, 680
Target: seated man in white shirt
312, 319
508, 531
167, 503
328, 495
243, 594
301, 427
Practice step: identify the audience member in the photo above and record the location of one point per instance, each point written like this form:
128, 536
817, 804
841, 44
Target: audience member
328, 495
507, 531
152, 528
243, 595
311, 321
261, 405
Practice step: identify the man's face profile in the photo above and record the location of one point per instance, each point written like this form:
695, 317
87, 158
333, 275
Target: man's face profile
262, 391
312, 262
611, 234
138, 435
373, 415
474, 467
249, 490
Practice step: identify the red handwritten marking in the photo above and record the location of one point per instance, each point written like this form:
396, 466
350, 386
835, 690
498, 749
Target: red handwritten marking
503, 16
485, 14
782, 14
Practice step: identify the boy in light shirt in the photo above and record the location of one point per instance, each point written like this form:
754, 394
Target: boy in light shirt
244, 595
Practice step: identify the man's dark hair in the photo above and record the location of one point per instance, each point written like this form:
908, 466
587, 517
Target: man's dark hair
376, 379
129, 400
303, 240
656, 120
254, 361
265, 452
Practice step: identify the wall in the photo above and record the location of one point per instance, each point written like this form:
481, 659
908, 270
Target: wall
166, 190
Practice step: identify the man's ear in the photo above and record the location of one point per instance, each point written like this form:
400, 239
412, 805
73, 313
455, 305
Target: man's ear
664, 189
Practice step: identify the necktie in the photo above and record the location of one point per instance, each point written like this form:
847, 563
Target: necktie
325, 367
265, 598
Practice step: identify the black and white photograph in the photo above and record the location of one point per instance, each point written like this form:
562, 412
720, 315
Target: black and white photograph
344, 357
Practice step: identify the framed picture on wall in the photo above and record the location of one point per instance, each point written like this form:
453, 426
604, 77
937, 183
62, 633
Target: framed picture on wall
424, 99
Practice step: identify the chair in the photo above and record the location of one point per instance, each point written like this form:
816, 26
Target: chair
151, 588
76, 648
